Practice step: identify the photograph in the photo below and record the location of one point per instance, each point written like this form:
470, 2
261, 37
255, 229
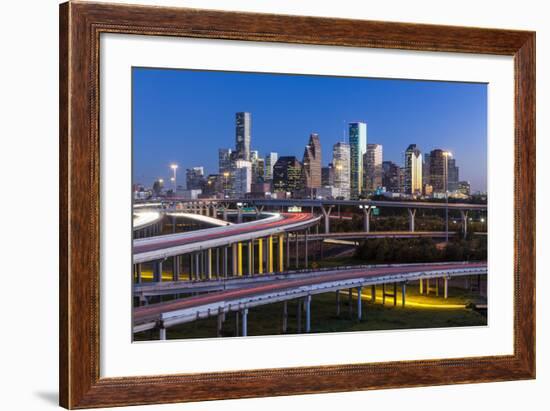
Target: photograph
279, 204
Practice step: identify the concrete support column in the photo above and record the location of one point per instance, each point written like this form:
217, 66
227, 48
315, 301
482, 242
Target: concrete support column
403, 293
437, 287
394, 294
157, 271
281, 253
198, 266
162, 333
297, 250
240, 259
338, 303
225, 213
427, 286
138, 273
209, 263
239, 215
373, 293
287, 238
445, 287
175, 268
359, 302
464, 216
270, 254
306, 263
260, 256
191, 267
250, 262
421, 286
218, 263
234, 259
366, 218
308, 313
350, 307
225, 262
383, 293
326, 214
285, 316
412, 212
245, 321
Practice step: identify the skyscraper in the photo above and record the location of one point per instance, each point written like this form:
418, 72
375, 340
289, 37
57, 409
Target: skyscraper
327, 175
242, 179
413, 170
392, 177
358, 147
372, 162
426, 169
224, 160
270, 161
437, 170
242, 135
453, 174
341, 164
287, 174
194, 178
311, 165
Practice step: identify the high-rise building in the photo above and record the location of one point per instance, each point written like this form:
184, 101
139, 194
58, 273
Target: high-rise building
194, 178
311, 165
426, 169
453, 174
213, 185
287, 173
413, 170
372, 163
258, 170
358, 147
327, 175
341, 164
270, 161
242, 178
391, 177
242, 136
224, 160
439, 167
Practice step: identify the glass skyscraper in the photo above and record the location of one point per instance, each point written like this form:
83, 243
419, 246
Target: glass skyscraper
242, 136
358, 148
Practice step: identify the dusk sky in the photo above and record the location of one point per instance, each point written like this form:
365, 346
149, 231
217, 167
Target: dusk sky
185, 116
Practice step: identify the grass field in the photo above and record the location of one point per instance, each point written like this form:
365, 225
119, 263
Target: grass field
420, 311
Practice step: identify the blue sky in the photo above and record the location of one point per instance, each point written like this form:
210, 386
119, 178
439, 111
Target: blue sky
184, 116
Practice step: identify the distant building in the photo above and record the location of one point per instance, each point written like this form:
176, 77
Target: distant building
413, 170
328, 192
194, 178
214, 185
287, 174
224, 160
440, 165
242, 178
327, 175
341, 164
428, 190
453, 174
243, 125
391, 177
189, 194
463, 187
372, 163
270, 161
311, 165
426, 169
358, 147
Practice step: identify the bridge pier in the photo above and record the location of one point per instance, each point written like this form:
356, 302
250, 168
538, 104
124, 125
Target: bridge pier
245, 321
306, 249
281, 253
234, 259
287, 238
162, 333
175, 268
326, 214
285, 316
421, 286
412, 212
427, 286
359, 302
350, 307
239, 214
239, 259
403, 293
464, 217
296, 243
445, 287
138, 273
220, 323
209, 263
157, 271
373, 293
225, 262
260, 256
198, 266
366, 218
225, 213
308, 313
299, 316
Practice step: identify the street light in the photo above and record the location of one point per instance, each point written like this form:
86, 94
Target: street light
447, 154
174, 168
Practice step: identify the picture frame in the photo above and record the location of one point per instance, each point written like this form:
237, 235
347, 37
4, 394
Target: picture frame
81, 24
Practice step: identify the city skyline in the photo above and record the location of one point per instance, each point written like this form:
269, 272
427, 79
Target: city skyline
171, 142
